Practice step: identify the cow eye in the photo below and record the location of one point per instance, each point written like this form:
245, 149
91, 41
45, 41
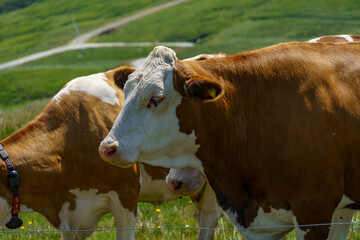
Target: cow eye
155, 100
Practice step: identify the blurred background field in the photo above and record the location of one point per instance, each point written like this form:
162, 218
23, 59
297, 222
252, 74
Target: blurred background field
232, 26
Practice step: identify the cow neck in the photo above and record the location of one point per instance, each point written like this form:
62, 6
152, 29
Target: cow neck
226, 118
35, 146
34, 152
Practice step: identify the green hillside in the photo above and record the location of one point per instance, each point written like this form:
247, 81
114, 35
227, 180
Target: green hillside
46, 24
215, 25
13, 5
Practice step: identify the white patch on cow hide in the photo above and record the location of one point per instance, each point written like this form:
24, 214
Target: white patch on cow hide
154, 191
347, 37
286, 218
180, 147
263, 225
94, 85
314, 40
5, 212
344, 202
341, 215
90, 206
204, 56
24, 209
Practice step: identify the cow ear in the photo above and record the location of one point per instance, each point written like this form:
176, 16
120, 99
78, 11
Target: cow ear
204, 89
121, 75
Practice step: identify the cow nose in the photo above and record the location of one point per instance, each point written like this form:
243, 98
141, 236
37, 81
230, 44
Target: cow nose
176, 186
108, 153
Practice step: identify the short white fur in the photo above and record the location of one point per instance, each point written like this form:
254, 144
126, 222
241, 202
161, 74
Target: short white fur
91, 205
94, 85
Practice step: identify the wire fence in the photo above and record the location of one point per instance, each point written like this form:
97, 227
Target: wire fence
177, 228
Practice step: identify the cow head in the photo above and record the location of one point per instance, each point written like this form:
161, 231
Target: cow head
147, 128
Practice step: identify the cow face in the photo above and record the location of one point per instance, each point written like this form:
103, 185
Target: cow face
147, 129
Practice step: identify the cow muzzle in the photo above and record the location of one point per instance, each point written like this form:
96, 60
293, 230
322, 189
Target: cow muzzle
111, 154
176, 186
185, 181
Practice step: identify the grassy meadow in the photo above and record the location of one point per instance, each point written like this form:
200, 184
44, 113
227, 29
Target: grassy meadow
46, 24
215, 25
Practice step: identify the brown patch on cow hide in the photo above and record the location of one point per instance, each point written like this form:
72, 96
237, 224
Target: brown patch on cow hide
156, 172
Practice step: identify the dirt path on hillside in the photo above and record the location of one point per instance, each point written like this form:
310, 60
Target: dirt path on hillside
79, 42
87, 36
43, 54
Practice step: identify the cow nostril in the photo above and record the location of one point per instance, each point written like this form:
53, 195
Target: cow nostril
110, 152
176, 184
107, 153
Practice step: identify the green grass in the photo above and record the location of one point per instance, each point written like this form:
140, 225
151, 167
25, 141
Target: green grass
179, 213
13, 5
47, 24
218, 26
17, 117
25, 85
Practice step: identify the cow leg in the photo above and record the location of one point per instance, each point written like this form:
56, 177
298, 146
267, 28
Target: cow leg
308, 214
123, 219
76, 235
207, 213
67, 236
72, 236
340, 231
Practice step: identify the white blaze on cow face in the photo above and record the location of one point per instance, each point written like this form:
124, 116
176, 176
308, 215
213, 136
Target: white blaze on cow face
94, 85
147, 128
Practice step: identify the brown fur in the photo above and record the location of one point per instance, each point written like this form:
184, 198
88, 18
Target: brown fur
356, 38
120, 75
285, 133
156, 172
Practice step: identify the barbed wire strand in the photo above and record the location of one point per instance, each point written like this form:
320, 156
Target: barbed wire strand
174, 228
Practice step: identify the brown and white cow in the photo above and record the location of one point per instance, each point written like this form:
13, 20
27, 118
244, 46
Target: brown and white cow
63, 177
274, 130
189, 181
